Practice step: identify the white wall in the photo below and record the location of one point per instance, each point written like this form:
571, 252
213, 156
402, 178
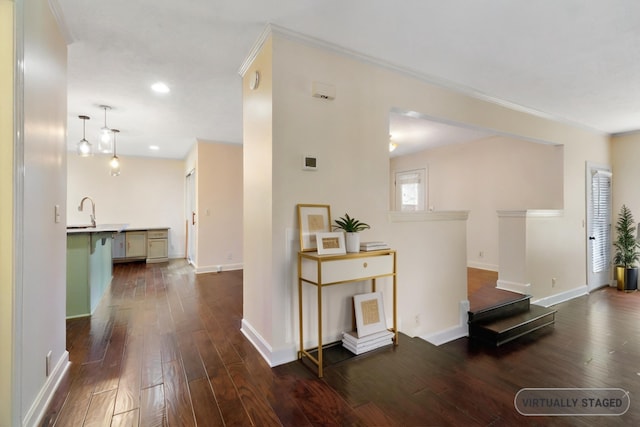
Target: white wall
219, 207
148, 193
350, 137
36, 291
485, 176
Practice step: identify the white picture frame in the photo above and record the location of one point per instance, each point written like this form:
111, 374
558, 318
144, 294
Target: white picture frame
312, 219
369, 310
331, 243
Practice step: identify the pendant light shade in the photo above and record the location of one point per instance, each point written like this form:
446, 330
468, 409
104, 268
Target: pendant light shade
115, 162
104, 143
84, 148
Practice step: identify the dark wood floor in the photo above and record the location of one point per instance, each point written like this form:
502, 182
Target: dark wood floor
164, 349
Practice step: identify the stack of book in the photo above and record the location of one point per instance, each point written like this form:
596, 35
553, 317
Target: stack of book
356, 345
373, 246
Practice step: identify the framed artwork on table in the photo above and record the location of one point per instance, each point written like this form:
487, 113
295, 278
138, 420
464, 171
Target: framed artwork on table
331, 243
369, 313
312, 219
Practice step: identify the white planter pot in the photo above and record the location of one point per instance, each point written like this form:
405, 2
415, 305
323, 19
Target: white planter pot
352, 242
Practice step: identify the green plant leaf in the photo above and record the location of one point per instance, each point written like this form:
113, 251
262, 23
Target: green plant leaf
349, 224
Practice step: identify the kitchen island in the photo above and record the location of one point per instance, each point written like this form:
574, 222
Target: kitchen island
91, 252
89, 266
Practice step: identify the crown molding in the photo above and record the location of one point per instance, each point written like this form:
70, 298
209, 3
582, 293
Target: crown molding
56, 10
272, 29
255, 49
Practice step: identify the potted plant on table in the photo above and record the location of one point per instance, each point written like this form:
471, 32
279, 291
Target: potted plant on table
351, 228
627, 253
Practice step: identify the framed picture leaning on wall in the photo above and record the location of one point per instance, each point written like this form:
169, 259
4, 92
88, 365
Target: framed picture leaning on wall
312, 219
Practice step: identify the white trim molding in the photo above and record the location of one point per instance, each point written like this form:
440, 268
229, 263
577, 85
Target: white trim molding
532, 213
562, 296
219, 268
38, 409
483, 266
453, 333
424, 216
521, 288
271, 356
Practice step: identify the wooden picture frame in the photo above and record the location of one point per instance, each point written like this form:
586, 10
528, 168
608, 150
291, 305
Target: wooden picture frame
370, 316
331, 243
312, 219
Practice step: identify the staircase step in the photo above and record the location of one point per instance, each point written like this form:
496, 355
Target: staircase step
515, 305
501, 331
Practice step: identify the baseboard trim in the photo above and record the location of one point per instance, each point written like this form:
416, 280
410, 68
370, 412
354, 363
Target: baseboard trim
272, 357
482, 266
38, 409
218, 268
562, 296
521, 288
453, 333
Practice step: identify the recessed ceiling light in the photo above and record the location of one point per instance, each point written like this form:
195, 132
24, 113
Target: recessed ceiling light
154, 147
160, 87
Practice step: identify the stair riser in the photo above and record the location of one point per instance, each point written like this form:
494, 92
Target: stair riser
499, 338
500, 312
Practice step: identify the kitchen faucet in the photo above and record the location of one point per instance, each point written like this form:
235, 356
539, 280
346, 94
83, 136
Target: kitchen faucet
93, 209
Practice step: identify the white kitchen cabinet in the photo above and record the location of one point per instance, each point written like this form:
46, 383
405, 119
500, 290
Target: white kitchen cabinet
157, 245
118, 246
136, 242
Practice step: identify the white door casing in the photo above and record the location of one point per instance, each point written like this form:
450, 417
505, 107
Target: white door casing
598, 225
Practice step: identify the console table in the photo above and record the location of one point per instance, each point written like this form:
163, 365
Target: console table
329, 270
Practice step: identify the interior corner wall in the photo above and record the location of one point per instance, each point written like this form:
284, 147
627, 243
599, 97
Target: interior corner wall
349, 136
7, 296
219, 207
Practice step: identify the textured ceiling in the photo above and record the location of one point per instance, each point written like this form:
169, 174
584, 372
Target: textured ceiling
573, 60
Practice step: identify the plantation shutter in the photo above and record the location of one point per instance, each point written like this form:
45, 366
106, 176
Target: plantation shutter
600, 229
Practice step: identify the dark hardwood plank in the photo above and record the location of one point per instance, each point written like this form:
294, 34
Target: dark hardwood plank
152, 407
255, 404
126, 419
176, 395
151, 359
128, 397
100, 410
111, 364
227, 397
205, 406
190, 357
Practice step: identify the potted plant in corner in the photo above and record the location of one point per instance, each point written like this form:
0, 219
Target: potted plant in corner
351, 228
627, 253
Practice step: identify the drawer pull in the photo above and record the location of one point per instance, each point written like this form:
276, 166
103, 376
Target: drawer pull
364, 264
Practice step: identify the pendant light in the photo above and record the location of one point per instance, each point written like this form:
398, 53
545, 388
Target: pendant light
115, 162
104, 143
84, 146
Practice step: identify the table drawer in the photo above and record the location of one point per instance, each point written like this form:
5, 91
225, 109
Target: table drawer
348, 269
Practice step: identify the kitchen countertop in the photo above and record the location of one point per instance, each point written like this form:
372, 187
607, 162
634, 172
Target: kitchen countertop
108, 228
